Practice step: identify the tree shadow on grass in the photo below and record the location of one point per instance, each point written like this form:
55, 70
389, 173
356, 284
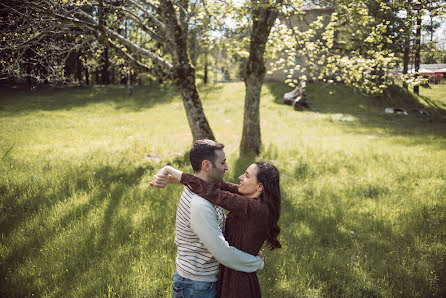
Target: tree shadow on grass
115, 244
96, 244
334, 251
426, 226
356, 111
329, 238
338, 97
110, 241
18, 211
15, 101
432, 104
38, 236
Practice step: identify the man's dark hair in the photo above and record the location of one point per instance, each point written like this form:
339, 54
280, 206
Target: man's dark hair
203, 150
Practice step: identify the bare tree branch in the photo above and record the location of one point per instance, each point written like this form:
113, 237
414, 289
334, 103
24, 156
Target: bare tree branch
146, 67
149, 16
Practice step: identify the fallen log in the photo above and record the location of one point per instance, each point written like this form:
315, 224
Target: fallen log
297, 99
397, 111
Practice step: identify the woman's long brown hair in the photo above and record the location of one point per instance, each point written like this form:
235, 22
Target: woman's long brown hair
268, 175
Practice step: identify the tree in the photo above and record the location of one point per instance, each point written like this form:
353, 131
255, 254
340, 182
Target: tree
435, 9
407, 33
334, 48
163, 52
420, 9
263, 15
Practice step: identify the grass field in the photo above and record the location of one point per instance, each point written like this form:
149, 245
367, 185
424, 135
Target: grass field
434, 96
364, 192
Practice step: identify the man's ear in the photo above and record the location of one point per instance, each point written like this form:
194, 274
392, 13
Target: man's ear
206, 165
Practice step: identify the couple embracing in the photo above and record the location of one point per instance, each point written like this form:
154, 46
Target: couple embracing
219, 255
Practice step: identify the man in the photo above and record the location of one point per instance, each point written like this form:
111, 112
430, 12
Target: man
199, 229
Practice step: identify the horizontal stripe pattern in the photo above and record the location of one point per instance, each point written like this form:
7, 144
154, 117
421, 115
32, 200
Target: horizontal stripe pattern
192, 256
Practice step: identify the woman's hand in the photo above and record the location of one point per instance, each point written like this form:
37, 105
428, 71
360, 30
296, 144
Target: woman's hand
167, 175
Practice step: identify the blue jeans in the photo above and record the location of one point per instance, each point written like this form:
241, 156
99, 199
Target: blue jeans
185, 287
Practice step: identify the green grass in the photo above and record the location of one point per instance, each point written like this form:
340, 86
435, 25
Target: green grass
364, 192
436, 94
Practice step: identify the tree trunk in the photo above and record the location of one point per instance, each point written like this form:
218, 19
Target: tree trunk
432, 29
113, 77
263, 19
205, 78
184, 72
185, 82
251, 136
416, 88
129, 82
406, 46
28, 71
105, 75
87, 76
406, 58
85, 68
78, 69
29, 81
193, 47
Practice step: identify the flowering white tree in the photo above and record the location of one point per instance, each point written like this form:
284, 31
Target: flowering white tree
366, 68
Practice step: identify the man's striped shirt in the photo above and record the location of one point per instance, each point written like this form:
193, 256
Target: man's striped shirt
193, 260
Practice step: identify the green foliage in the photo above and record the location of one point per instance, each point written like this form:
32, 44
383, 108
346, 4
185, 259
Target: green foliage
430, 54
363, 191
356, 42
342, 46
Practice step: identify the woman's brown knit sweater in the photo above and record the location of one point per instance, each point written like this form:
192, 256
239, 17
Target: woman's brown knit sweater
246, 228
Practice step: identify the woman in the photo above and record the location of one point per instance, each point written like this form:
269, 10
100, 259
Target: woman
254, 209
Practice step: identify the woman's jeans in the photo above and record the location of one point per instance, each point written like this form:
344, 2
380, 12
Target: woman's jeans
185, 287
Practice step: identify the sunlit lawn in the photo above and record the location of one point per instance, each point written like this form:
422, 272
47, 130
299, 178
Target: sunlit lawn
437, 93
364, 192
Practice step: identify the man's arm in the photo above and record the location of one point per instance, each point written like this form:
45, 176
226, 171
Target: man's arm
205, 226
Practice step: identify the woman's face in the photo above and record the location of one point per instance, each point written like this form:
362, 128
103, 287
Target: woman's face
249, 185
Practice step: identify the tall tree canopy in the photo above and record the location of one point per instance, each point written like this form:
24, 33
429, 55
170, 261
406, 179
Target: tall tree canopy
41, 29
358, 43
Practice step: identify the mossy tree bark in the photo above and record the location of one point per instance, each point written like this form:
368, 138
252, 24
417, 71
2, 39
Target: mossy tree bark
416, 88
264, 15
183, 72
